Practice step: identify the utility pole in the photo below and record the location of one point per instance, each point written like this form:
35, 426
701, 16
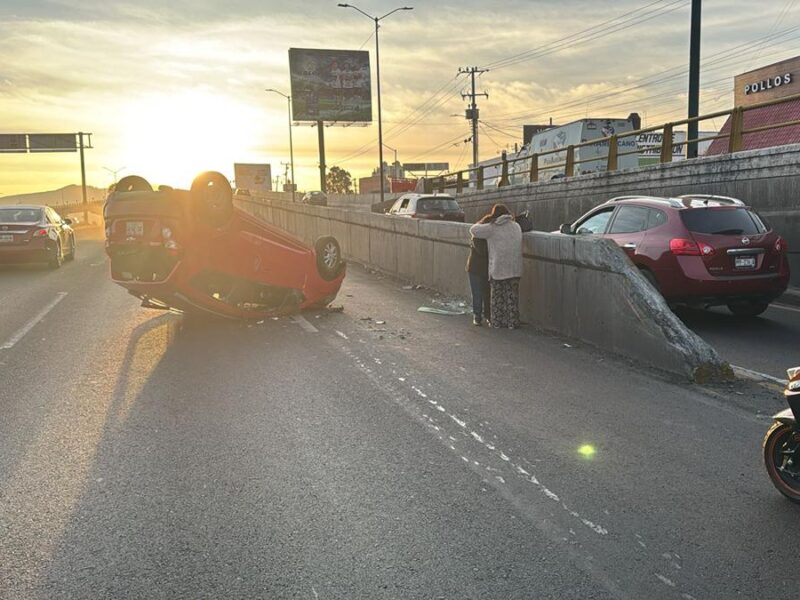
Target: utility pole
694, 78
472, 112
286, 166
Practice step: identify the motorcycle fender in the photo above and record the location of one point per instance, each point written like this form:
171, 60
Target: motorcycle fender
786, 417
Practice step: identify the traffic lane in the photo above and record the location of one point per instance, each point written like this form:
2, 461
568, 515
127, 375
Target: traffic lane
674, 466
54, 381
767, 344
537, 433
27, 290
260, 462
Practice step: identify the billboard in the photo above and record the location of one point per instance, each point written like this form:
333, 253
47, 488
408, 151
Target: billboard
253, 177
53, 142
330, 85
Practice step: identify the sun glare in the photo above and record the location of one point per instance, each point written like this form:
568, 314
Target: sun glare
171, 138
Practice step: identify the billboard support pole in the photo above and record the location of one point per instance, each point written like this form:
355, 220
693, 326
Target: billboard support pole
83, 180
321, 134
291, 148
380, 121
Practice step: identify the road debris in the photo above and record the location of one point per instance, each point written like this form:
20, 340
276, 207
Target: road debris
439, 311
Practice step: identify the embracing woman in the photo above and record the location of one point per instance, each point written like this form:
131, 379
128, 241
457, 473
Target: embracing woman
504, 239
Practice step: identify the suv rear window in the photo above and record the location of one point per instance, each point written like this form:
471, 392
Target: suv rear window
429, 204
722, 221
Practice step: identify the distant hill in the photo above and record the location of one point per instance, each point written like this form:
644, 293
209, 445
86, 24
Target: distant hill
70, 194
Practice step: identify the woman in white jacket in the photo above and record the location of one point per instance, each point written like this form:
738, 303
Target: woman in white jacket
504, 238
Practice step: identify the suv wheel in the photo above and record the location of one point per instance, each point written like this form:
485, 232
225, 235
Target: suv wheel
748, 309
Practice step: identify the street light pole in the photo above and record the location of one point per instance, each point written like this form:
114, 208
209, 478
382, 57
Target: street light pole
377, 20
291, 148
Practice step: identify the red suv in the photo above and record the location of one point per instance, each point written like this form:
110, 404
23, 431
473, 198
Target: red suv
697, 250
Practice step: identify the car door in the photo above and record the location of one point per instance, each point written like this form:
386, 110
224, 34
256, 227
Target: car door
628, 227
401, 203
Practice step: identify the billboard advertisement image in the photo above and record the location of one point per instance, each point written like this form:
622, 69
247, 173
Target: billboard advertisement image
330, 85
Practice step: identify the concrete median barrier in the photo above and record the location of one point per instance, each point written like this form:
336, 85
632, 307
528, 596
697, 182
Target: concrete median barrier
580, 288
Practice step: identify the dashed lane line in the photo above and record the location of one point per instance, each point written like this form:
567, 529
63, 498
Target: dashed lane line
304, 324
23, 331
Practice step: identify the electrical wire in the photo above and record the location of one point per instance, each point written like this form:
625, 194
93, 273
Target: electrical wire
626, 21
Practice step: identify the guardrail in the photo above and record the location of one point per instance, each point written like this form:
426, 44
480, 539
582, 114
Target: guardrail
475, 176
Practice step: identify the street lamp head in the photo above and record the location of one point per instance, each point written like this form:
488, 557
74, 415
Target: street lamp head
407, 8
343, 5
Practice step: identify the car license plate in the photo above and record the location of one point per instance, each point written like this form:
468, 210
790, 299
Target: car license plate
6, 237
134, 229
744, 262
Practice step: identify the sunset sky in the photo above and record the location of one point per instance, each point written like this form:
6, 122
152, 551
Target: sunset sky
171, 89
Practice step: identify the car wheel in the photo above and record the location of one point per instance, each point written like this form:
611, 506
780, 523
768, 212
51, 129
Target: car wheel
748, 309
57, 259
71, 255
133, 183
212, 198
329, 258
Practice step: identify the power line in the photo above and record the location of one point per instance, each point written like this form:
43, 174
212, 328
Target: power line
626, 21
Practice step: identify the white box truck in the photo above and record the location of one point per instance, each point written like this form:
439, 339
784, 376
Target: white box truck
571, 134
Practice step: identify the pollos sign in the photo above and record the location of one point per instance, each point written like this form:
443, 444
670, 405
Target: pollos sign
768, 84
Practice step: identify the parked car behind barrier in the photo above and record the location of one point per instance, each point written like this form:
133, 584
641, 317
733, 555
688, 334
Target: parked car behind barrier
697, 250
436, 207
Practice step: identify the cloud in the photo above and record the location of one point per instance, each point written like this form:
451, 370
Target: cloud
87, 64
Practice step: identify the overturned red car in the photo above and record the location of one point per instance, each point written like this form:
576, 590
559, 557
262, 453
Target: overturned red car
193, 251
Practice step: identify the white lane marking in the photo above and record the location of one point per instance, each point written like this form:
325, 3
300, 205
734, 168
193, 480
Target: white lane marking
304, 324
750, 374
22, 332
785, 307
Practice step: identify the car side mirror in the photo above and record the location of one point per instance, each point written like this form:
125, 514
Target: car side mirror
566, 228
68, 221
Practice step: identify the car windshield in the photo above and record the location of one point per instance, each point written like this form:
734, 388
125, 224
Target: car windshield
722, 221
20, 215
429, 204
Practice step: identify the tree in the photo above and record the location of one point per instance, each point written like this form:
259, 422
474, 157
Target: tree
339, 181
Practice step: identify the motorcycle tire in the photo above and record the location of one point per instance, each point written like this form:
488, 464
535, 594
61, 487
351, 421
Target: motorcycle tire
774, 443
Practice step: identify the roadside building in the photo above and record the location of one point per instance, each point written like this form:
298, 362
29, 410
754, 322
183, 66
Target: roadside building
775, 81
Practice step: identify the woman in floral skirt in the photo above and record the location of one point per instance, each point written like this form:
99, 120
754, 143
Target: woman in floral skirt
504, 239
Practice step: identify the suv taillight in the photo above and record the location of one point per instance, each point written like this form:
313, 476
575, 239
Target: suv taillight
780, 245
40, 233
684, 247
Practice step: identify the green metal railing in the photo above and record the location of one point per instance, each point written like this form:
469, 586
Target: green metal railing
459, 180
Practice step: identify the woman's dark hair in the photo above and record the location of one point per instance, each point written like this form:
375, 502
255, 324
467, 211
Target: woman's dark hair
498, 210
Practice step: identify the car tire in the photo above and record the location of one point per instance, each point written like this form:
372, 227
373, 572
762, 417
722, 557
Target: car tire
71, 255
132, 183
329, 258
57, 259
748, 309
212, 198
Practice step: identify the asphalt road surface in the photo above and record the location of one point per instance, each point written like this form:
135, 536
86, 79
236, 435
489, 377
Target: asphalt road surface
374, 453
767, 344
